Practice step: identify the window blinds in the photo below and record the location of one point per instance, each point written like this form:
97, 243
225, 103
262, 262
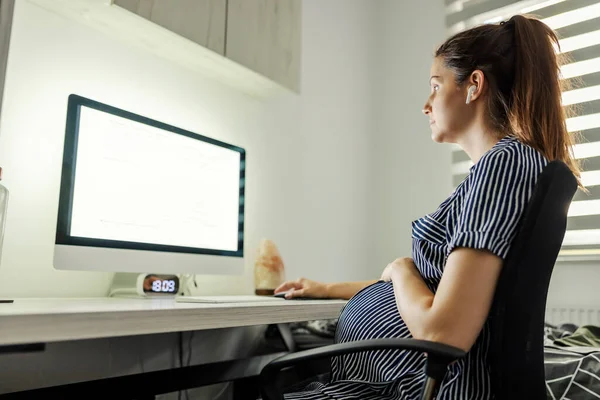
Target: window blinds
577, 23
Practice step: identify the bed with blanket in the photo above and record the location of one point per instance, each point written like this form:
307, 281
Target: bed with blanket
571, 356
572, 361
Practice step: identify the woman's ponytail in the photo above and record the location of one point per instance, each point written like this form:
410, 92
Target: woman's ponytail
536, 112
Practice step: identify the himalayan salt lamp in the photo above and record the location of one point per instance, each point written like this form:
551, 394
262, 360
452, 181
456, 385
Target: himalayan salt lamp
268, 269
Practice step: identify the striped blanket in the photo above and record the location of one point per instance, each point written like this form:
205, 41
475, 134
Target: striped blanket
572, 363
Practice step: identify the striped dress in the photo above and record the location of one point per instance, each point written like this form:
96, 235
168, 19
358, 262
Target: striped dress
481, 213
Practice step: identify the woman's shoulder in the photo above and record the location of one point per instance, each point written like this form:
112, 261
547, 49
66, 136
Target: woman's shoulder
509, 163
510, 153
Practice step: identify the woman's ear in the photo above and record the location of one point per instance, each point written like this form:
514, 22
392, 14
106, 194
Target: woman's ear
475, 86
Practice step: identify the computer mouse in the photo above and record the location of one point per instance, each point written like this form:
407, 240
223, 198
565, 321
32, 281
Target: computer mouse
280, 295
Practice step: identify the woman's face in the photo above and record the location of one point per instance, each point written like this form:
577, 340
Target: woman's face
448, 114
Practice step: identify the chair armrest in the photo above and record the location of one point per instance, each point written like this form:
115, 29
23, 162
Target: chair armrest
438, 357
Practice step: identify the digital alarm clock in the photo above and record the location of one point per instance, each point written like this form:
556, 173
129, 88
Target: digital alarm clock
157, 284
144, 285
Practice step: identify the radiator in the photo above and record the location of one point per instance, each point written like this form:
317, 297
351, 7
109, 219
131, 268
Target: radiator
575, 315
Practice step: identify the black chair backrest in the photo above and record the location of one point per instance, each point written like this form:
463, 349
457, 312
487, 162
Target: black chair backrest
518, 313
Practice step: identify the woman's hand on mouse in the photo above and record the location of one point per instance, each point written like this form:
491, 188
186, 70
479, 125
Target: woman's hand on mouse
303, 288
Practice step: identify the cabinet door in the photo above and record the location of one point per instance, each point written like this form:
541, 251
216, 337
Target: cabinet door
201, 21
264, 35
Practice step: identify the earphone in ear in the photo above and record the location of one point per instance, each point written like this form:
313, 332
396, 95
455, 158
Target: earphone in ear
472, 89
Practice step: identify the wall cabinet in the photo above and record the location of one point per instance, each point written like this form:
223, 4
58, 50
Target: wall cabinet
201, 21
262, 35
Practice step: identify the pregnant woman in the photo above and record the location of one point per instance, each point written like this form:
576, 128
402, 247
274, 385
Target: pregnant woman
495, 91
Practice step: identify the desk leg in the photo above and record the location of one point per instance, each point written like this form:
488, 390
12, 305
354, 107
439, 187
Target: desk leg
249, 388
286, 336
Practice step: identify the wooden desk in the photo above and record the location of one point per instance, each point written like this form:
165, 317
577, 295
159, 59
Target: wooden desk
27, 324
50, 320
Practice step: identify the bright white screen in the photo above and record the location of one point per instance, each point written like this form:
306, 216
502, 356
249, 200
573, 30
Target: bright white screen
138, 183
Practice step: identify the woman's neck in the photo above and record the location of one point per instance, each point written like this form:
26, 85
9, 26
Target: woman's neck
477, 145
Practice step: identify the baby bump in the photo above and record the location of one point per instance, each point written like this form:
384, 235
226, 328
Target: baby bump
372, 314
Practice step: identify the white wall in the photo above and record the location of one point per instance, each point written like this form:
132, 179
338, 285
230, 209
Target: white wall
413, 175
309, 163
334, 176
575, 284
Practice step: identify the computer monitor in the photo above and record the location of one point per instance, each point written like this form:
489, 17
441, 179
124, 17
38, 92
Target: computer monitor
138, 195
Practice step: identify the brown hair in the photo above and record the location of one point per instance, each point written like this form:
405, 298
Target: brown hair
518, 60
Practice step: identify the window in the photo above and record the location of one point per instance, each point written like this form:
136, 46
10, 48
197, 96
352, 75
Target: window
577, 23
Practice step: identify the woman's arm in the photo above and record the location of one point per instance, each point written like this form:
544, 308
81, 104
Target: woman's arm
306, 288
346, 290
459, 309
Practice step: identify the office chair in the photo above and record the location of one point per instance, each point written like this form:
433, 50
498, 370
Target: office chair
518, 311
